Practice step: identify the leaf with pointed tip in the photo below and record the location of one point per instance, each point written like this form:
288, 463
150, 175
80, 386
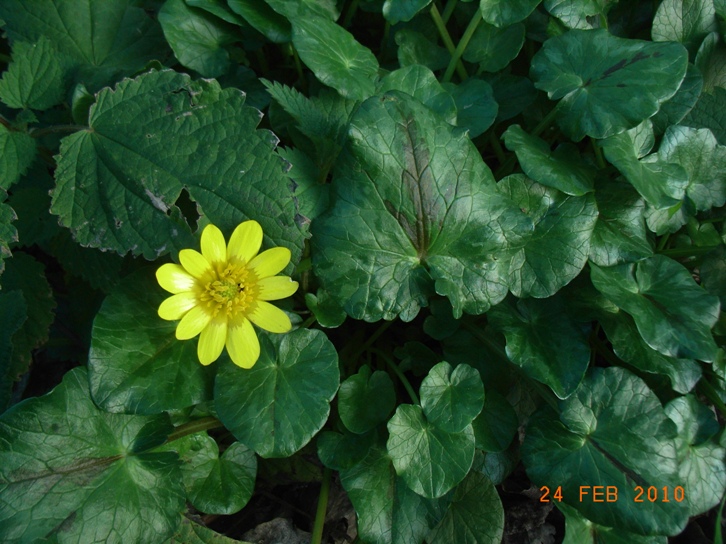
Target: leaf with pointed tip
414, 208
605, 84
72, 471
674, 315
17, 151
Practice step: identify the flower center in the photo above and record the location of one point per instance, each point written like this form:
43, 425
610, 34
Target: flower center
233, 290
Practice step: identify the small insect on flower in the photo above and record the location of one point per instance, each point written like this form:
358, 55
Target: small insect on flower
221, 291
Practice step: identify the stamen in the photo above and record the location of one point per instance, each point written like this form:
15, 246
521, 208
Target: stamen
233, 290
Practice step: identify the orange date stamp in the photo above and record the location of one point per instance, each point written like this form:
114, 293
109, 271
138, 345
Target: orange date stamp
611, 493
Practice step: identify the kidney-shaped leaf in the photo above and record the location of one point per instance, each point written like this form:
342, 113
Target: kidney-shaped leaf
136, 364
612, 431
452, 397
607, 84
68, 468
365, 400
674, 315
413, 201
153, 136
277, 406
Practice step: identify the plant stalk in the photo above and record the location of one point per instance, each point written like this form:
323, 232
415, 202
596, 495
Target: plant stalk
319, 524
446, 38
196, 426
463, 43
400, 375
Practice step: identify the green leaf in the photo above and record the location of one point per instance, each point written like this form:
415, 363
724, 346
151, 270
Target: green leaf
421, 83
703, 472
294, 9
343, 451
218, 484
496, 425
218, 8
117, 181
396, 11
197, 37
546, 342
623, 334
475, 515
512, 93
711, 61
8, 233
36, 78
326, 311
388, 511
104, 41
17, 151
673, 314
23, 272
80, 474
431, 461
13, 314
476, 108
365, 400
503, 13
494, 48
416, 48
619, 235
264, 19
136, 364
561, 169
708, 113
684, 21
580, 530
335, 57
312, 194
277, 406
582, 14
673, 110
558, 249
612, 431
606, 84
452, 397
413, 202
193, 533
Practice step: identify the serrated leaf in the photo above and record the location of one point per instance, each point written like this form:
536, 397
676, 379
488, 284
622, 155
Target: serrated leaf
13, 313
431, 461
494, 48
559, 247
277, 406
545, 341
475, 515
335, 57
612, 431
605, 84
673, 314
496, 425
396, 11
155, 135
69, 470
264, 19
36, 76
218, 484
431, 215
684, 21
561, 169
104, 40
25, 273
451, 397
630, 347
703, 469
17, 151
312, 194
136, 364
619, 235
582, 14
365, 400
503, 13
421, 83
196, 37
476, 108
660, 183
8, 233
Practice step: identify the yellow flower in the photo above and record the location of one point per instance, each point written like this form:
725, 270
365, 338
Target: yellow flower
221, 291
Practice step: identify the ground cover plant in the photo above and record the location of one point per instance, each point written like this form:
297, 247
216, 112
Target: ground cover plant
454, 262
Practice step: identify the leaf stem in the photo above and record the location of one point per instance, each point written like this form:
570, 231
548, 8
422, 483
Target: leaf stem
372, 338
711, 394
319, 524
497, 147
308, 322
546, 121
40, 132
687, 251
352, 8
598, 154
446, 38
463, 43
196, 426
400, 375
448, 10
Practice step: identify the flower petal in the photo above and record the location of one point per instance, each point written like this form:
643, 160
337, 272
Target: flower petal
269, 317
242, 343
195, 263
245, 241
173, 278
192, 323
276, 288
214, 248
211, 341
175, 307
270, 262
